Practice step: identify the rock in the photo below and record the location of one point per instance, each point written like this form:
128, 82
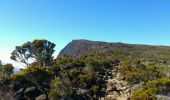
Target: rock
162, 97
135, 87
32, 93
127, 90
123, 97
19, 91
111, 87
101, 98
119, 76
124, 83
30, 89
117, 87
114, 93
41, 97
124, 88
110, 97
109, 77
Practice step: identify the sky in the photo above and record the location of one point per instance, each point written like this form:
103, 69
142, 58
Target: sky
61, 21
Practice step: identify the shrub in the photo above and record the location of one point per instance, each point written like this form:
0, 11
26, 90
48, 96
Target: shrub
8, 68
34, 74
142, 95
95, 89
136, 72
60, 88
87, 77
160, 86
74, 72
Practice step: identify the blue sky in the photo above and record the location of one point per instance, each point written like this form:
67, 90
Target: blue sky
60, 21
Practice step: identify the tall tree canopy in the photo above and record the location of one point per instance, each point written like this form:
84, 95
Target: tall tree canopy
41, 51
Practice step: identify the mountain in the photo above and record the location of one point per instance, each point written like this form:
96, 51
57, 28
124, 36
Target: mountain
77, 48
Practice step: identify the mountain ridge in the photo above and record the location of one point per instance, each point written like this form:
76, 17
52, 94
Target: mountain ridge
82, 47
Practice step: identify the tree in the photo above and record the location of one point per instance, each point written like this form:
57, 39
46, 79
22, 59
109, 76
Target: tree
21, 55
43, 51
39, 51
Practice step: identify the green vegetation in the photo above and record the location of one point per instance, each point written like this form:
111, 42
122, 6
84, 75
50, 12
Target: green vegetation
61, 88
136, 72
34, 74
152, 88
84, 77
142, 95
5, 73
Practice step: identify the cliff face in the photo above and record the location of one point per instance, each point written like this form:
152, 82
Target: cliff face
83, 47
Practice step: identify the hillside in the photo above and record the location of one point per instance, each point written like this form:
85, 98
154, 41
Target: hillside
77, 48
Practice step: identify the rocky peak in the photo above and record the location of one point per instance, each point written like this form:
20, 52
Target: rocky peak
82, 47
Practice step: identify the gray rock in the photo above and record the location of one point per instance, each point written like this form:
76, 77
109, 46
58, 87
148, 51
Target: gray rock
19, 91
41, 97
30, 89
162, 97
111, 87
135, 87
119, 76
32, 92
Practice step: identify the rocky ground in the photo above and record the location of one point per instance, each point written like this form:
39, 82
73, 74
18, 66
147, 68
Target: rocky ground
117, 87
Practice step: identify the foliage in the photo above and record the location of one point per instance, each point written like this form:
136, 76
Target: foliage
8, 68
95, 89
5, 79
36, 75
142, 95
40, 50
152, 88
61, 88
136, 72
74, 73
161, 86
5, 73
65, 62
87, 77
